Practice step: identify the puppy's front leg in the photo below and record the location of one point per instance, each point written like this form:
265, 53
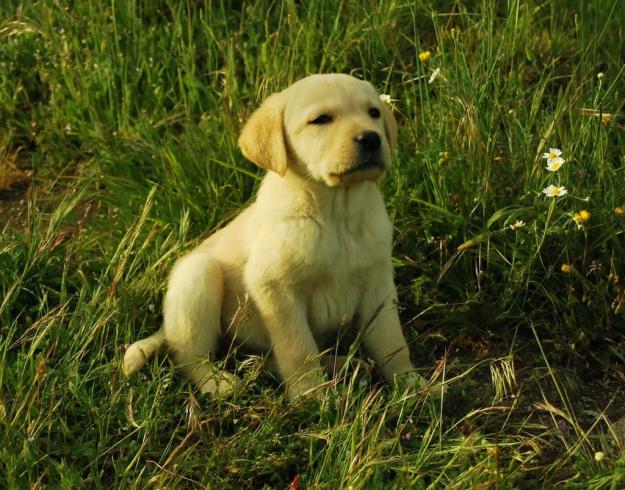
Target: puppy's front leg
383, 337
293, 345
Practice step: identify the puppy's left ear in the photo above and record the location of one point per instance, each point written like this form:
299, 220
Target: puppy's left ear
262, 140
390, 125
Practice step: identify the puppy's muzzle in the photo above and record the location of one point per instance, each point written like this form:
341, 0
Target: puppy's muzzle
369, 164
368, 141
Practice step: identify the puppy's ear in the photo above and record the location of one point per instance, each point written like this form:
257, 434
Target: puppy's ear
390, 125
262, 140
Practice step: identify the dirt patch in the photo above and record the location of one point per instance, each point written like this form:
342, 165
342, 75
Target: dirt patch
15, 185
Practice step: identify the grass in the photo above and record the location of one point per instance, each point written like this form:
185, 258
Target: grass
118, 153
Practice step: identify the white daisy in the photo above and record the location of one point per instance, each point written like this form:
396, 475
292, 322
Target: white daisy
554, 191
554, 164
552, 153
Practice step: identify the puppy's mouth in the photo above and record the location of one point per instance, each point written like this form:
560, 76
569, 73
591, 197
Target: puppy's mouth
367, 170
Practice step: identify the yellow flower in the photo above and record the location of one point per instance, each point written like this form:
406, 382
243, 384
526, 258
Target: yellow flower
619, 211
566, 268
424, 56
518, 224
599, 456
581, 218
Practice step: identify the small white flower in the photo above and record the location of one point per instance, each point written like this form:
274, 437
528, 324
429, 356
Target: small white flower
385, 98
554, 164
599, 456
554, 191
67, 128
552, 153
434, 75
517, 224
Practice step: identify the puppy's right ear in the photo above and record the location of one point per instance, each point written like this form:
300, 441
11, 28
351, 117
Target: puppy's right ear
262, 140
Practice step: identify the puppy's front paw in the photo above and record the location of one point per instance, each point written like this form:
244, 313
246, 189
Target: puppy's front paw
413, 381
311, 384
337, 364
437, 389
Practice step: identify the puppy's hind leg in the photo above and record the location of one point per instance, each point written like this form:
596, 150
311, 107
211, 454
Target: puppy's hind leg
192, 321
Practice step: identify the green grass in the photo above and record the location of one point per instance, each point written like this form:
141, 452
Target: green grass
118, 153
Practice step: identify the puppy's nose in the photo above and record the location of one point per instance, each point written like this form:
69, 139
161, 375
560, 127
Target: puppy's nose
368, 140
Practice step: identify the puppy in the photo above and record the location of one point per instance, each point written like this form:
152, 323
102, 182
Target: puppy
310, 253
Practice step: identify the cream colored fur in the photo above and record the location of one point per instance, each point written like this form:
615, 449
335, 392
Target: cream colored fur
312, 252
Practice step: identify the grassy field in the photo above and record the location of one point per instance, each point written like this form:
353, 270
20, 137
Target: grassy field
118, 153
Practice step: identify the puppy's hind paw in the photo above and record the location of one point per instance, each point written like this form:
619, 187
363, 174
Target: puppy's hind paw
220, 384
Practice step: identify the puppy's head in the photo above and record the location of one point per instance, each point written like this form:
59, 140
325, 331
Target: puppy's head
333, 128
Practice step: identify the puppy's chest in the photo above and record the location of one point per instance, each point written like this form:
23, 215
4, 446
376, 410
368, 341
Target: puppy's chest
342, 267
347, 248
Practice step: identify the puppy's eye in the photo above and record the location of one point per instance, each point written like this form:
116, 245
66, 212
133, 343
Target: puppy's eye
374, 113
322, 119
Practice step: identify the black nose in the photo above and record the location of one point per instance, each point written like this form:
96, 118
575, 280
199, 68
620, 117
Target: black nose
369, 140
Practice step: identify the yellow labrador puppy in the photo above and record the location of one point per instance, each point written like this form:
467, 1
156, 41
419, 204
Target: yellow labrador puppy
310, 253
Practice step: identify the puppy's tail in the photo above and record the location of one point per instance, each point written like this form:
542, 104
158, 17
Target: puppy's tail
139, 352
